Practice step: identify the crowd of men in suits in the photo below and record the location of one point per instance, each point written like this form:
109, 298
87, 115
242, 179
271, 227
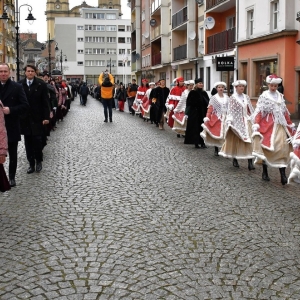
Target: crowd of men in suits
32, 107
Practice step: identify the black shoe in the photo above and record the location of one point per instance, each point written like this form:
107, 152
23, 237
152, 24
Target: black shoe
216, 151
110, 120
265, 175
38, 167
197, 146
203, 146
30, 170
12, 182
178, 135
105, 121
283, 176
250, 165
235, 163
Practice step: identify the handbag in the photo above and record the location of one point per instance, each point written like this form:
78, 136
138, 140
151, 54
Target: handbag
4, 184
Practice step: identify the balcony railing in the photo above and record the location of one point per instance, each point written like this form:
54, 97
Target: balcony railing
180, 52
155, 32
156, 59
212, 3
179, 18
221, 41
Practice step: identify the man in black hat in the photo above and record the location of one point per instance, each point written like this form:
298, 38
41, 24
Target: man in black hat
196, 108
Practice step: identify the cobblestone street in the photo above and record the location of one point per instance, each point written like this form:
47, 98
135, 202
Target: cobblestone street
123, 210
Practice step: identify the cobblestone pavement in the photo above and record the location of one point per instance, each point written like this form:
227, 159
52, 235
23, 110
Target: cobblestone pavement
125, 211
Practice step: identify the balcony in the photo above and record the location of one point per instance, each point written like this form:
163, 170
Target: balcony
156, 59
180, 52
133, 26
132, 5
221, 41
155, 5
219, 5
133, 66
179, 18
155, 32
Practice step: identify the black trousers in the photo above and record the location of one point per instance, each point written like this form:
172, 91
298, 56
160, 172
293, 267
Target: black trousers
107, 105
34, 148
13, 159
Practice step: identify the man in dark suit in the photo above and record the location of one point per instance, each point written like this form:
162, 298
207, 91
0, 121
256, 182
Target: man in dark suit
14, 105
39, 114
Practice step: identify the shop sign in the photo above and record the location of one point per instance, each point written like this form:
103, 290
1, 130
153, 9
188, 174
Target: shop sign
225, 63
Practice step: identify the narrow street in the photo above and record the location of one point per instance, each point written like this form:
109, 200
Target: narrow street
123, 210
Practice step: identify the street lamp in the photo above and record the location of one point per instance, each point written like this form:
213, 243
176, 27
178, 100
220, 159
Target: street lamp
61, 60
49, 52
109, 65
29, 18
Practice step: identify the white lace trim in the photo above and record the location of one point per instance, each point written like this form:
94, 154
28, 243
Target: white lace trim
220, 105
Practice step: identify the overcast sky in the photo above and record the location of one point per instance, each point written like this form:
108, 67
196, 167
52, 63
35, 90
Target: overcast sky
40, 27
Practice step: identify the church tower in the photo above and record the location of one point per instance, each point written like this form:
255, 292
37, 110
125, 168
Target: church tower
55, 8
110, 4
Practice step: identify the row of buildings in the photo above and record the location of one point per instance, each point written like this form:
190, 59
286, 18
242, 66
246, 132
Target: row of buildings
219, 40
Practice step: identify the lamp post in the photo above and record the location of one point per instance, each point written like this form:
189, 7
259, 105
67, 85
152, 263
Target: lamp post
61, 60
49, 52
29, 18
109, 65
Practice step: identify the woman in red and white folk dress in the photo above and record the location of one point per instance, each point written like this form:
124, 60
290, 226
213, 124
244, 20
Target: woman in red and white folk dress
179, 112
139, 96
238, 142
214, 123
146, 102
173, 100
271, 129
295, 158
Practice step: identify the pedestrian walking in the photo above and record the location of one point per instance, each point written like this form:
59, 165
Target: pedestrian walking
238, 141
272, 127
39, 114
121, 97
14, 106
84, 91
196, 108
106, 81
131, 93
214, 123
146, 102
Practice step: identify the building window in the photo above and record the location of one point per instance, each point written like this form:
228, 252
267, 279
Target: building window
95, 63
94, 16
207, 78
88, 27
88, 50
80, 63
110, 16
111, 51
264, 69
79, 27
121, 28
98, 51
121, 51
128, 51
98, 27
79, 39
128, 28
95, 39
79, 51
111, 28
187, 74
111, 39
121, 40
162, 75
275, 14
201, 73
111, 63
128, 63
250, 23
230, 22
128, 40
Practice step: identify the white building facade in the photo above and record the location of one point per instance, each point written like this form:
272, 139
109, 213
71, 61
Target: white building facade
97, 41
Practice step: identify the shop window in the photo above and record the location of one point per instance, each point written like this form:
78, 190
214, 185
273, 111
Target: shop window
264, 69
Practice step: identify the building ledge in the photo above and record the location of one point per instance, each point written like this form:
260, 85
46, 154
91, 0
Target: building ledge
267, 37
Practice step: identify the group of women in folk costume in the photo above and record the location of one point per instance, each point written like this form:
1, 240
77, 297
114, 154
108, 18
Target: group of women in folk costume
263, 133
139, 96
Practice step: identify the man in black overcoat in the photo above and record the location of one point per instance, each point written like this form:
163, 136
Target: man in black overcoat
159, 98
14, 106
196, 108
39, 114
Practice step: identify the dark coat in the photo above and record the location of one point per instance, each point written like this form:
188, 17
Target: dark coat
13, 96
159, 104
196, 108
121, 94
39, 109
